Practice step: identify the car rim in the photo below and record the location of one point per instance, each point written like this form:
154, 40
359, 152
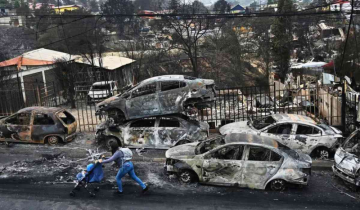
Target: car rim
323, 154
53, 140
185, 177
278, 185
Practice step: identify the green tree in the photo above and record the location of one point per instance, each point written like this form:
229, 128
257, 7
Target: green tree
17, 4
282, 31
221, 6
4, 3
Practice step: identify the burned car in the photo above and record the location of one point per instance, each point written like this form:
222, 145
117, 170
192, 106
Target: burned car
347, 160
244, 160
157, 132
38, 125
162, 95
295, 131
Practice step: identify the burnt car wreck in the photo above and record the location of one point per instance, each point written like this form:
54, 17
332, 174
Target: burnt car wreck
156, 96
156, 132
38, 125
298, 132
347, 160
244, 160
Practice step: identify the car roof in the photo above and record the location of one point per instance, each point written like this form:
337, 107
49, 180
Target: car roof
40, 109
164, 77
250, 138
103, 82
292, 118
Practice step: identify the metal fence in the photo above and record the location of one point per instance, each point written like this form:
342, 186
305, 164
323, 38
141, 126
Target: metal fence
239, 104
18, 96
323, 104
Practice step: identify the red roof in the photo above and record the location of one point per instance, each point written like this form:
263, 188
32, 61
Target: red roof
21, 61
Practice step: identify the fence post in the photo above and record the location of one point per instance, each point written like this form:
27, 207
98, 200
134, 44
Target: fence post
38, 93
55, 93
343, 107
274, 97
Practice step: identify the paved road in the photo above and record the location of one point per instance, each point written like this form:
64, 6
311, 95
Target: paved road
324, 192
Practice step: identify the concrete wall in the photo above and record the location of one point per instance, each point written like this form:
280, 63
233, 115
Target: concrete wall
329, 107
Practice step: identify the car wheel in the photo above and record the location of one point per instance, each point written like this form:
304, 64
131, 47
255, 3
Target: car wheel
53, 140
187, 176
110, 141
322, 153
278, 185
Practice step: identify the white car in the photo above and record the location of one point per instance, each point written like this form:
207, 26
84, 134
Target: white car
243, 160
347, 160
101, 90
298, 132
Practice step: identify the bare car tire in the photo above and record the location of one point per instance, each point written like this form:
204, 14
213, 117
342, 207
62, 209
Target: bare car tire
53, 140
109, 141
187, 176
278, 185
322, 153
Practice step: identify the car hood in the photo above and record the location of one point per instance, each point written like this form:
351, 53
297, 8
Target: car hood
207, 81
236, 127
346, 161
182, 150
106, 101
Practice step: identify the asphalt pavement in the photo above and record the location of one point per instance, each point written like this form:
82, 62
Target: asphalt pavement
41, 177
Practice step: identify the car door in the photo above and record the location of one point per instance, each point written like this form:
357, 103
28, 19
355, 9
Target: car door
140, 133
18, 127
143, 101
170, 131
43, 125
260, 164
282, 132
223, 166
171, 96
306, 136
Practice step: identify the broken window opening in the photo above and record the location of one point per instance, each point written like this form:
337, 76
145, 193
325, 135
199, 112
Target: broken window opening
281, 129
262, 123
262, 154
353, 144
143, 123
307, 130
66, 117
169, 122
208, 145
171, 85
19, 119
43, 119
233, 152
144, 90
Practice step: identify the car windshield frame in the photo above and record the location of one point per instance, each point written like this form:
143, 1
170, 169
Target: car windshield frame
103, 87
288, 151
327, 129
253, 124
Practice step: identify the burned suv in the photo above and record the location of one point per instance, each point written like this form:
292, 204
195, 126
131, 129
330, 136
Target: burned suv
162, 95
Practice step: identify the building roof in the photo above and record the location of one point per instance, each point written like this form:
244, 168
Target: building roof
237, 7
66, 6
250, 138
109, 62
292, 118
37, 57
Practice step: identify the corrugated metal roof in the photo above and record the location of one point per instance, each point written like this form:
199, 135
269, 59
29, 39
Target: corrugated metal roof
37, 57
108, 62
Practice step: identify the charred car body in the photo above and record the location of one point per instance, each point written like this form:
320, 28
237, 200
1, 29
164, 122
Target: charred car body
38, 125
162, 95
244, 160
347, 160
156, 132
295, 131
